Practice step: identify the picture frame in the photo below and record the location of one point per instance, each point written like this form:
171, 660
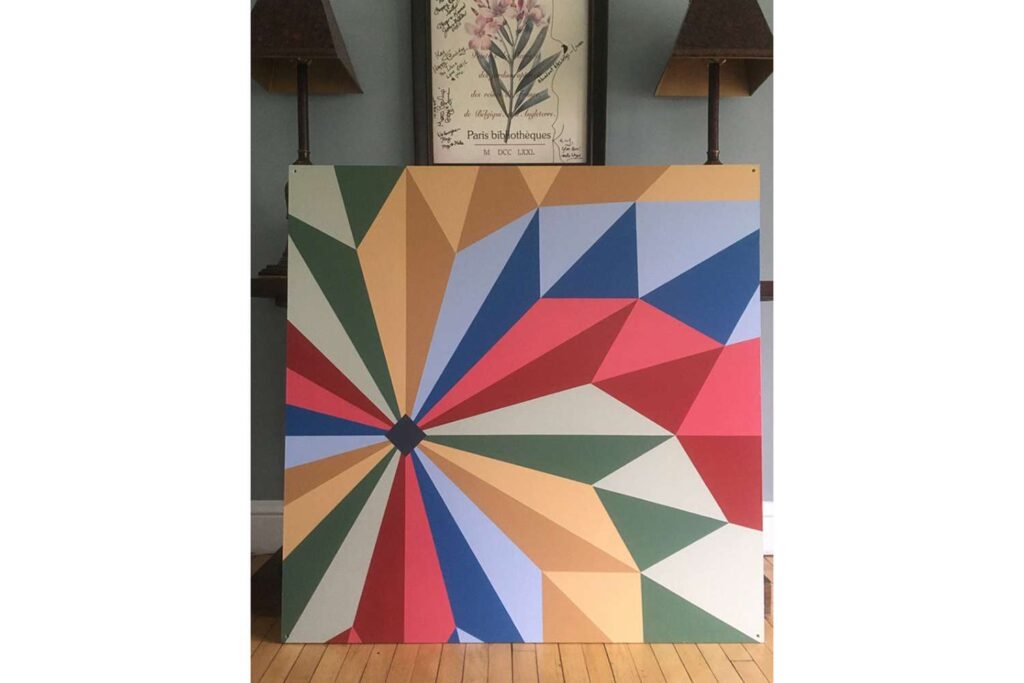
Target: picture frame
427, 146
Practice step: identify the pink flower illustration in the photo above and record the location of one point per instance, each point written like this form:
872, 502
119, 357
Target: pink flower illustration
529, 9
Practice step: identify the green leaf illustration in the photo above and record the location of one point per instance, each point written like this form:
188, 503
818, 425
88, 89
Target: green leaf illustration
533, 49
497, 50
505, 35
532, 101
537, 70
492, 73
524, 38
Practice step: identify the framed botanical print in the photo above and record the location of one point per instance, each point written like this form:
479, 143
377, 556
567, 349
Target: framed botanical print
510, 81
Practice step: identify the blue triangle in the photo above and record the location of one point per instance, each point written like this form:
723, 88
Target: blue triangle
712, 295
514, 292
475, 604
302, 422
608, 268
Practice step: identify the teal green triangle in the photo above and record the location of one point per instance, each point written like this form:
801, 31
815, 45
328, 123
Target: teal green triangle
364, 190
586, 458
669, 618
339, 275
652, 531
306, 564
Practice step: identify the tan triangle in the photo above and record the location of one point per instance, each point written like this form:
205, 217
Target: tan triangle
601, 184
563, 619
499, 197
539, 179
447, 190
571, 507
382, 257
705, 183
610, 600
301, 479
303, 514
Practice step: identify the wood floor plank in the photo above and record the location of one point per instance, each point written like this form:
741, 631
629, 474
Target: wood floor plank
355, 663
647, 667
524, 663
449, 670
763, 657
720, 665
330, 664
598, 666
549, 663
282, 663
574, 665
622, 663
260, 628
695, 663
499, 663
306, 664
749, 672
671, 666
377, 665
769, 568
735, 652
769, 634
402, 663
475, 668
262, 658
427, 660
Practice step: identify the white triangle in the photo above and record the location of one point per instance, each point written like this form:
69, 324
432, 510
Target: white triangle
749, 324
315, 199
666, 476
313, 316
722, 574
466, 637
332, 607
581, 410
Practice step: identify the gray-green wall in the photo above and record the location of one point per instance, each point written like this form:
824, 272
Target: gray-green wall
376, 128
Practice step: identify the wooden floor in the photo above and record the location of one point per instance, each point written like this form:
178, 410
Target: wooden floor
273, 662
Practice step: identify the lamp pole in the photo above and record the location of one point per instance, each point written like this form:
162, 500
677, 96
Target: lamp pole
714, 77
302, 91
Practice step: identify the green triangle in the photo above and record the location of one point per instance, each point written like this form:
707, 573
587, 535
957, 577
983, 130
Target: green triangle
652, 531
306, 564
669, 618
339, 275
364, 190
586, 458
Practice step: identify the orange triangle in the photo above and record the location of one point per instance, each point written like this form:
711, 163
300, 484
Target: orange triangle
563, 620
447, 191
601, 184
539, 179
499, 197
429, 265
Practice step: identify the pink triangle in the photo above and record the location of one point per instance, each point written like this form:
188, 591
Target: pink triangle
304, 393
729, 404
428, 613
651, 337
548, 324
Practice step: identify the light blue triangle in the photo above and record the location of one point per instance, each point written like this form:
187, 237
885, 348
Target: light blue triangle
749, 325
673, 237
298, 450
567, 232
474, 272
466, 637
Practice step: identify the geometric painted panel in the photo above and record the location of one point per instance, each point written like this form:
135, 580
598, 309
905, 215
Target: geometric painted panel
523, 405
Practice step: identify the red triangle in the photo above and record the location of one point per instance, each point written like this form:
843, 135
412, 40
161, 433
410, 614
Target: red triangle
306, 360
548, 324
729, 403
731, 468
349, 635
569, 365
381, 606
651, 337
663, 393
428, 614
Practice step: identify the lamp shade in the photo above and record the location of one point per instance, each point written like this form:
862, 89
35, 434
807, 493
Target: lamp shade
286, 31
732, 32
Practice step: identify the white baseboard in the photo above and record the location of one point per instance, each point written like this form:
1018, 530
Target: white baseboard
267, 516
